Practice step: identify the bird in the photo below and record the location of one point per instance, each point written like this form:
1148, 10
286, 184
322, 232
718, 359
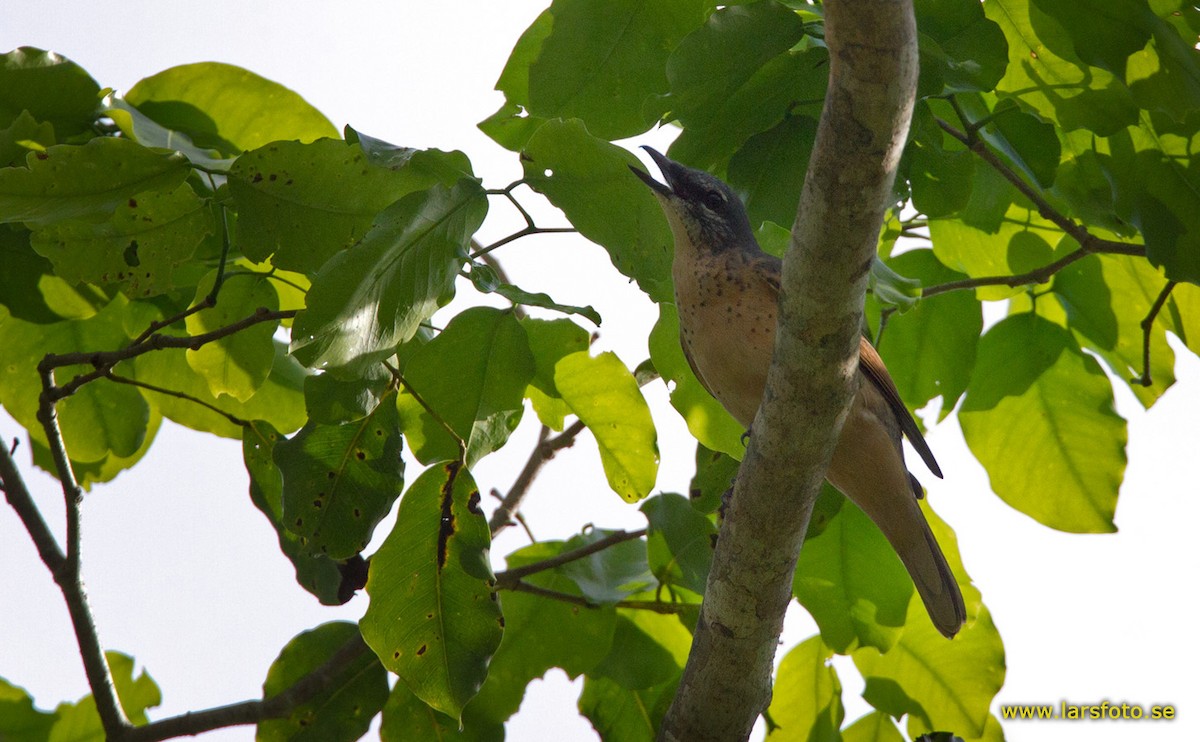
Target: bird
726, 295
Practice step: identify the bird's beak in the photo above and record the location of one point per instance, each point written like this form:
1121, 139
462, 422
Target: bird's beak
665, 166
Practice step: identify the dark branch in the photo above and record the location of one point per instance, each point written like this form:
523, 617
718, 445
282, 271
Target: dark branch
508, 578
641, 605
177, 394
1147, 327
542, 452
251, 712
21, 501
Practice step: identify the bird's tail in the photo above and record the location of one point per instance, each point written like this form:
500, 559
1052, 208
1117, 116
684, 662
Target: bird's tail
911, 537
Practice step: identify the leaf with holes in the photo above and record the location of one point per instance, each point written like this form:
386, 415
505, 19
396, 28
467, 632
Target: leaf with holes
433, 618
340, 480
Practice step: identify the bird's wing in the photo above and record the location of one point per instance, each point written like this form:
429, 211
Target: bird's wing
873, 368
687, 353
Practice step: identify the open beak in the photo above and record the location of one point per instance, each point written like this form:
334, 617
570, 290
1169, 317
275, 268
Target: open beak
665, 166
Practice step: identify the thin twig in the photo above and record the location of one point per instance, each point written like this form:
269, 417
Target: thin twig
177, 394
1088, 243
641, 605
251, 712
399, 377
1147, 326
542, 452
509, 577
103, 361
67, 576
518, 235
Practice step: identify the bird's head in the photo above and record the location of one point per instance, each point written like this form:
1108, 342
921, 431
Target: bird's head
700, 208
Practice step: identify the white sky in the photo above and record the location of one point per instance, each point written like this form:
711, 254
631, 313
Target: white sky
185, 575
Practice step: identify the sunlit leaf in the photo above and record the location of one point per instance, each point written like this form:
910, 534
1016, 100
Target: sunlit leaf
52, 88
806, 702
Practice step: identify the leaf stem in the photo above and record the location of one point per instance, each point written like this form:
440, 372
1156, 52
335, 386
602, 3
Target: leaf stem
508, 578
462, 445
1148, 325
643, 605
178, 395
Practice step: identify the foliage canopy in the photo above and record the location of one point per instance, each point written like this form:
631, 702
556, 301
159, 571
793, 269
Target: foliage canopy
208, 249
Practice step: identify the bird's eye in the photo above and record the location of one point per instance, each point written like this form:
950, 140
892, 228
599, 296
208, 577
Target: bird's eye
715, 200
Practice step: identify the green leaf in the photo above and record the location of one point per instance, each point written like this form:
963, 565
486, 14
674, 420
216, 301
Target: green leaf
618, 713
636, 660
942, 684
611, 574
604, 395
680, 543
806, 702
769, 169
604, 63
51, 88
853, 584
304, 203
939, 170
1046, 75
369, 299
713, 478
80, 722
874, 727
102, 417
706, 419
279, 401
473, 376
236, 365
930, 350
1039, 416
19, 720
332, 399
550, 341
70, 182
406, 717
1006, 241
589, 179
539, 634
968, 50
318, 574
138, 248
350, 699
520, 296
146, 131
739, 75
23, 135
433, 618
227, 108
1106, 297
339, 481
892, 289
20, 281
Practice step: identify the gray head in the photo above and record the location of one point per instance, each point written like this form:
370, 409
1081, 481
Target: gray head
699, 207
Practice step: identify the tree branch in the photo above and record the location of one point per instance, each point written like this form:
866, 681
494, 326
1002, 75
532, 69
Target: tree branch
641, 605
250, 712
509, 577
542, 453
21, 501
1147, 326
812, 380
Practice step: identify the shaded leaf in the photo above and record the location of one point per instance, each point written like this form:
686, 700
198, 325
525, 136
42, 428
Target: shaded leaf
550, 341
69, 182
80, 722
874, 727
433, 618
603, 63
343, 711
473, 376
589, 179
52, 88
317, 574
340, 480
611, 574
967, 50
19, 720
680, 543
